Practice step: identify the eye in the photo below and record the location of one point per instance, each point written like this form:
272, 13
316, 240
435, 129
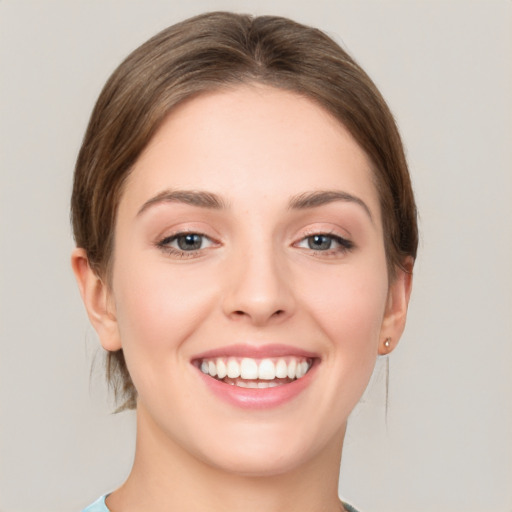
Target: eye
319, 242
185, 244
323, 242
189, 241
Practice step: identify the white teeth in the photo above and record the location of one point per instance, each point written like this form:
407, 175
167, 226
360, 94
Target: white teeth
292, 366
248, 369
221, 369
281, 369
301, 370
267, 370
233, 369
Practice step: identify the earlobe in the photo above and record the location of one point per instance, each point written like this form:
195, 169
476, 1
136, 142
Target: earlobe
97, 300
395, 315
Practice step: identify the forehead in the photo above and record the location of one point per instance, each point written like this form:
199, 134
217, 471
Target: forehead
251, 142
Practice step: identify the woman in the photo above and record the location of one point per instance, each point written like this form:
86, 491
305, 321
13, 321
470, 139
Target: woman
246, 232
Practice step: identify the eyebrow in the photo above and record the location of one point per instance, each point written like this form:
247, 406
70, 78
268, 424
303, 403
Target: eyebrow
322, 197
192, 197
213, 201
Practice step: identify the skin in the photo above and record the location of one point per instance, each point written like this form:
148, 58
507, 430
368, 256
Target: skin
254, 281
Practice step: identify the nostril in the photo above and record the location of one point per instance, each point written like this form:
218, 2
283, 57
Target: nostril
241, 313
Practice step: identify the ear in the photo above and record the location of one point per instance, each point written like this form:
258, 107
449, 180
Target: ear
97, 300
393, 323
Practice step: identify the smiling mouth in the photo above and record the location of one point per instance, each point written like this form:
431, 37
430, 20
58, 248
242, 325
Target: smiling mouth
247, 372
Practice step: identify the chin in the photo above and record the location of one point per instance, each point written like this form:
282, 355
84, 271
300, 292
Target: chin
258, 463
265, 452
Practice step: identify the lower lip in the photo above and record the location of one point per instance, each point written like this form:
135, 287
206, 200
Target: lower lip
259, 398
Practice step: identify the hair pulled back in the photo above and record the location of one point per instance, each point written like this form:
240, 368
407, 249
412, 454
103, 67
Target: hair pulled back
210, 52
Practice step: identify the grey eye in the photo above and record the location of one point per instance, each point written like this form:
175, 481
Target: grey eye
185, 244
325, 242
189, 241
319, 242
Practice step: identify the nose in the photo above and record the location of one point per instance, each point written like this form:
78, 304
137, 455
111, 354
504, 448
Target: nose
260, 290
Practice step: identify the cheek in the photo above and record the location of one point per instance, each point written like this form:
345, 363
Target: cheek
157, 312
157, 307
349, 306
350, 315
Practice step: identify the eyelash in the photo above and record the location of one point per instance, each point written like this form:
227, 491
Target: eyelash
165, 244
344, 245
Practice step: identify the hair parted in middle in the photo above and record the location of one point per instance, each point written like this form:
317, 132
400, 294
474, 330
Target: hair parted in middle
216, 51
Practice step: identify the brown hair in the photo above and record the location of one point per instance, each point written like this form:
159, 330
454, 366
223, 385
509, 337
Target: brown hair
209, 52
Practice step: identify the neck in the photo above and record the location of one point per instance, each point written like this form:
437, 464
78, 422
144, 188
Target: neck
165, 477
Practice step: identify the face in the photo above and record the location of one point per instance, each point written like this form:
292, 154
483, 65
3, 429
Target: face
250, 291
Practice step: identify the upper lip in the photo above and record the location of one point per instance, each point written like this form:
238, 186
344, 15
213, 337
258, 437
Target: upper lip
259, 351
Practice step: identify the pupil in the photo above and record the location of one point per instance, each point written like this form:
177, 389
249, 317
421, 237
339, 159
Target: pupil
189, 242
321, 242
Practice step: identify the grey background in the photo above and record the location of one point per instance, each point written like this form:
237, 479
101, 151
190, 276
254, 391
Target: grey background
444, 68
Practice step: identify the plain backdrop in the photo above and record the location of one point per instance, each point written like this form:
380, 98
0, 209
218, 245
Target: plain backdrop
445, 69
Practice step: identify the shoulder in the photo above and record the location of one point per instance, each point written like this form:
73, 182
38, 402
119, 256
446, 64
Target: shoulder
98, 506
349, 508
